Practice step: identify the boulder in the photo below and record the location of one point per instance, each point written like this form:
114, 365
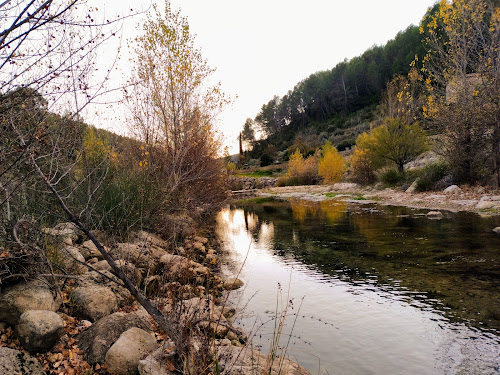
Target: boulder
72, 259
247, 361
453, 189
106, 278
16, 362
124, 355
96, 341
39, 330
232, 284
19, 298
95, 301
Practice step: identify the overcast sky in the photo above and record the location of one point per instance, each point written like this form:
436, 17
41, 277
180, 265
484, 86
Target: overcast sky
262, 48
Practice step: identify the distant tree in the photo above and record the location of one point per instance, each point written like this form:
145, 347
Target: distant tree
248, 133
395, 141
331, 165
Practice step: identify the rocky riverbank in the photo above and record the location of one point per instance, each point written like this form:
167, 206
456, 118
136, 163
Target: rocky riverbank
454, 198
81, 319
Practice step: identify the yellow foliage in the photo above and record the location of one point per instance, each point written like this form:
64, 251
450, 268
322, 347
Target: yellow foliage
331, 166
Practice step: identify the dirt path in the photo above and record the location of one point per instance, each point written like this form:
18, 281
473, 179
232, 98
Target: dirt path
473, 199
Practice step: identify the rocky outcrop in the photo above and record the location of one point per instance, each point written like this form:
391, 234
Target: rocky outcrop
39, 330
19, 298
13, 362
124, 355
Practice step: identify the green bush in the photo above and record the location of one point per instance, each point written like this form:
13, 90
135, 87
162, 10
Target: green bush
431, 174
390, 176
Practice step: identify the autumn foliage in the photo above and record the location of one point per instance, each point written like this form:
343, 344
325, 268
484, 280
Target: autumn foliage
331, 165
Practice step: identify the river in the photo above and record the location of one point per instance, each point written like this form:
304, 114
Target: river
367, 289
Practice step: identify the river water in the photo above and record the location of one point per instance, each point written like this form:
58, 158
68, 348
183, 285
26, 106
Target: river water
367, 289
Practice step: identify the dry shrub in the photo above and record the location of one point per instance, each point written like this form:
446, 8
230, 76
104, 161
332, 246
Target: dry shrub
361, 168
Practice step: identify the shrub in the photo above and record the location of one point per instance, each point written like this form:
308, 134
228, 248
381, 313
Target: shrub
300, 171
390, 176
361, 168
431, 174
331, 166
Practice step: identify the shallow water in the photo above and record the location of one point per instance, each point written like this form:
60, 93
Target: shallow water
374, 290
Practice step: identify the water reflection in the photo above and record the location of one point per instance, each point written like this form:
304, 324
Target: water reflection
385, 289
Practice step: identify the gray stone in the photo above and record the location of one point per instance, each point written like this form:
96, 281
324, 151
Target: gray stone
19, 298
413, 187
485, 205
453, 189
96, 341
72, 259
107, 279
124, 355
496, 230
15, 362
39, 330
95, 301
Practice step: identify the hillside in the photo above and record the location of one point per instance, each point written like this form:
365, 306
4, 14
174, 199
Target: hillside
336, 104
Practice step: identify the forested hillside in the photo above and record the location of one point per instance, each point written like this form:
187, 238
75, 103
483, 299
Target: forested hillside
329, 104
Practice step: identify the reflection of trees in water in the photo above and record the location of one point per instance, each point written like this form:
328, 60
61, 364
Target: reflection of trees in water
454, 260
330, 209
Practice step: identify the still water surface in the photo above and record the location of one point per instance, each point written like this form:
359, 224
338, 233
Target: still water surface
375, 290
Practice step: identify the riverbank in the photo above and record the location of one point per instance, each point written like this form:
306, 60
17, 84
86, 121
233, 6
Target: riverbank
464, 198
78, 315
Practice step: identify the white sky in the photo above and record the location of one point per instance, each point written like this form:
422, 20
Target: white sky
262, 48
